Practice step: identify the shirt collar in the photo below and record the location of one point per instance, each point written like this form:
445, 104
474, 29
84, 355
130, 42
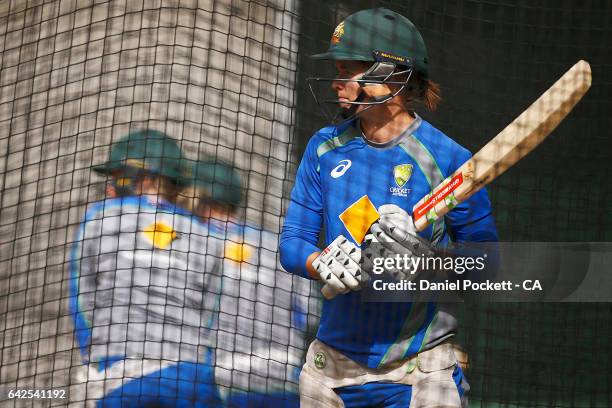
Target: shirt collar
396, 140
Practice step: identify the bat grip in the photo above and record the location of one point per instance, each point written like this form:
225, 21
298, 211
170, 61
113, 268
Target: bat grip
421, 224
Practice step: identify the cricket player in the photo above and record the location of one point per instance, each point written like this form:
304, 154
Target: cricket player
264, 311
145, 284
377, 153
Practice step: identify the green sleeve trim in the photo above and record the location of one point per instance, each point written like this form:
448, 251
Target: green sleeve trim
408, 341
415, 319
334, 143
430, 168
428, 331
405, 149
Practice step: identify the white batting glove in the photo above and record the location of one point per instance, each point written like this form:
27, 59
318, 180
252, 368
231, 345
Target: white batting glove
395, 226
396, 233
373, 248
338, 266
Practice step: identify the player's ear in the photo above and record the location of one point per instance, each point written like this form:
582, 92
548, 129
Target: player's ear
148, 185
110, 190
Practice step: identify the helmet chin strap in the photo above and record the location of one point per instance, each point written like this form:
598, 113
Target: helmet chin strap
383, 98
346, 114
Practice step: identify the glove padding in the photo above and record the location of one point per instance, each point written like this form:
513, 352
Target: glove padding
338, 266
396, 235
397, 225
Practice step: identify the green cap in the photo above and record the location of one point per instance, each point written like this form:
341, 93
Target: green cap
218, 180
377, 30
147, 150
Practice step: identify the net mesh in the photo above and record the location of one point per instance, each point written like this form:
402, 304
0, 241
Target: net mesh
77, 76
227, 80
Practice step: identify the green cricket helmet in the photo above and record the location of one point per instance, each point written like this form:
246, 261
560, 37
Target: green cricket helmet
378, 35
218, 181
381, 36
146, 151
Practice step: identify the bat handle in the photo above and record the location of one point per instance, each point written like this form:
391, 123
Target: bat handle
421, 224
328, 292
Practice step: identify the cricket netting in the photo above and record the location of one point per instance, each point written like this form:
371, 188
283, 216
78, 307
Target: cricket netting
219, 77
227, 80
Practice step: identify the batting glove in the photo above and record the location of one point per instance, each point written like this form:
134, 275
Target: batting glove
372, 248
338, 266
396, 234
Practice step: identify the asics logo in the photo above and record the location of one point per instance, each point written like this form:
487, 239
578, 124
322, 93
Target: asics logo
341, 168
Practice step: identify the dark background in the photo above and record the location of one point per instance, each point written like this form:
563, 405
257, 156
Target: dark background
492, 59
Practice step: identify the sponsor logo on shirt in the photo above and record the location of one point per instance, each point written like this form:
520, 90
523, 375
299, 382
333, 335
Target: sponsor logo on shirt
237, 252
341, 168
359, 217
160, 235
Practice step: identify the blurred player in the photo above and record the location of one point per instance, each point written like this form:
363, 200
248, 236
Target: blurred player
381, 156
263, 316
145, 284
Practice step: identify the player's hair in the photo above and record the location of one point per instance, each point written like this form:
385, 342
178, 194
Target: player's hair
432, 95
168, 189
422, 90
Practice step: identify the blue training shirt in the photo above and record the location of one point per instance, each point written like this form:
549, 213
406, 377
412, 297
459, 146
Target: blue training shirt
340, 166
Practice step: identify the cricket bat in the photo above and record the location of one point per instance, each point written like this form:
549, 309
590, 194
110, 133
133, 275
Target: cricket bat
517, 139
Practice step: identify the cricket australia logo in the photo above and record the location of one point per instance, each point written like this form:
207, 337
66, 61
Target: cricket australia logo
338, 33
401, 175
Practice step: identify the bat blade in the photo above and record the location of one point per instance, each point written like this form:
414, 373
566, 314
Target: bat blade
520, 137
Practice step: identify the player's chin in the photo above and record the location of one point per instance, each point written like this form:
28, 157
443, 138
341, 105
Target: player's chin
344, 105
